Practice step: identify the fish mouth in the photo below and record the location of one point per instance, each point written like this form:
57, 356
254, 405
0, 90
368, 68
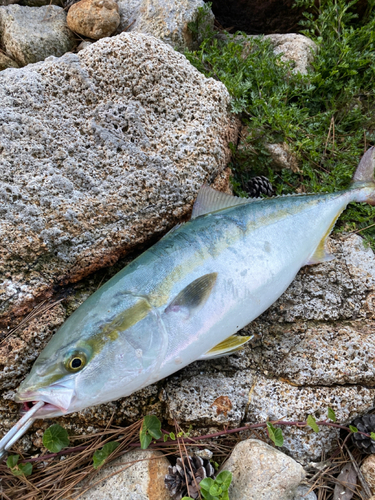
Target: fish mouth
57, 400
47, 410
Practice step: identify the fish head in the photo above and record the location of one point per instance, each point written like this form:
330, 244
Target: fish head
95, 357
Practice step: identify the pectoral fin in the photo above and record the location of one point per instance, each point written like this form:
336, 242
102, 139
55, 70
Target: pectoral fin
228, 346
194, 295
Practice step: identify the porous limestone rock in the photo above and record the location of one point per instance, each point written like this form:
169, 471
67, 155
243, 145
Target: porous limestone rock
94, 18
368, 471
260, 472
7, 62
30, 34
141, 480
295, 48
100, 152
164, 19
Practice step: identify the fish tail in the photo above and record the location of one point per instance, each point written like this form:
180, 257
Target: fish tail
363, 181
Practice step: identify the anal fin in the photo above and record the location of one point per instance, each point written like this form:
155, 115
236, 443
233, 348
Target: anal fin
321, 254
228, 346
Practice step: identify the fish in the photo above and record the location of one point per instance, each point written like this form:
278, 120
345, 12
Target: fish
185, 298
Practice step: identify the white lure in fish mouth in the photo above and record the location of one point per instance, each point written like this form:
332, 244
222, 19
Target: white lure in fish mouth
58, 399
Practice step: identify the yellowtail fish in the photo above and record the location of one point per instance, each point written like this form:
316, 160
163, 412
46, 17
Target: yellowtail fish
186, 297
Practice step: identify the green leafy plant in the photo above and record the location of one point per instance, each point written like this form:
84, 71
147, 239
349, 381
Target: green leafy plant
275, 434
151, 428
18, 469
55, 438
101, 455
215, 489
326, 118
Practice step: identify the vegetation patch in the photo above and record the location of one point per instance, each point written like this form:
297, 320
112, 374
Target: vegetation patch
326, 118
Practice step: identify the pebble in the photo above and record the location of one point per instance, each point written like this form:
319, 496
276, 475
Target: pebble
94, 18
368, 471
260, 472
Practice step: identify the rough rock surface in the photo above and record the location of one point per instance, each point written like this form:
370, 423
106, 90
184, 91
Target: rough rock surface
100, 151
94, 18
30, 34
296, 48
7, 62
260, 472
368, 470
165, 19
143, 480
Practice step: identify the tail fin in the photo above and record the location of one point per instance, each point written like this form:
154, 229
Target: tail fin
364, 176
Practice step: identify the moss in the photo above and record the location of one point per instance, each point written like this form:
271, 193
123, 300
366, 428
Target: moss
327, 117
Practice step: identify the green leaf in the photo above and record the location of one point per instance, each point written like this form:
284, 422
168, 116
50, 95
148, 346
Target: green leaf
145, 439
331, 414
372, 435
311, 422
153, 426
172, 436
55, 438
12, 461
275, 434
101, 455
18, 469
224, 478
206, 484
352, 428
187, 498
26, 469
165, 438
215, 490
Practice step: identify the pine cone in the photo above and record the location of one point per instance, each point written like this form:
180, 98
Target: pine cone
259, 185
364, 424
177, 482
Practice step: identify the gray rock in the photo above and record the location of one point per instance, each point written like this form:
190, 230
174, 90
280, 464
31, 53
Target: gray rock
7, 62
282, 156
304, 493
295, 48
261, 472
100, 152
164, 19
30, 34
141, 480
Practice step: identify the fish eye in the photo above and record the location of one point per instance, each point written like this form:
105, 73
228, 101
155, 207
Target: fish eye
75, 362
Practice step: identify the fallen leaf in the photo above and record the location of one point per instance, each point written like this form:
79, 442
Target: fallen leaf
345, 488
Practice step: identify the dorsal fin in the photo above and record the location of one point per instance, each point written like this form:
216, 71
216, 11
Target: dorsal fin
210, 200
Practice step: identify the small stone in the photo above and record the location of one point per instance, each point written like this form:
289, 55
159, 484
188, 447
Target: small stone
141, 481
261, 472
30, 34
368, 470
282, 157
94, 18
7, 62
295, 48
83, 45
304, 493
